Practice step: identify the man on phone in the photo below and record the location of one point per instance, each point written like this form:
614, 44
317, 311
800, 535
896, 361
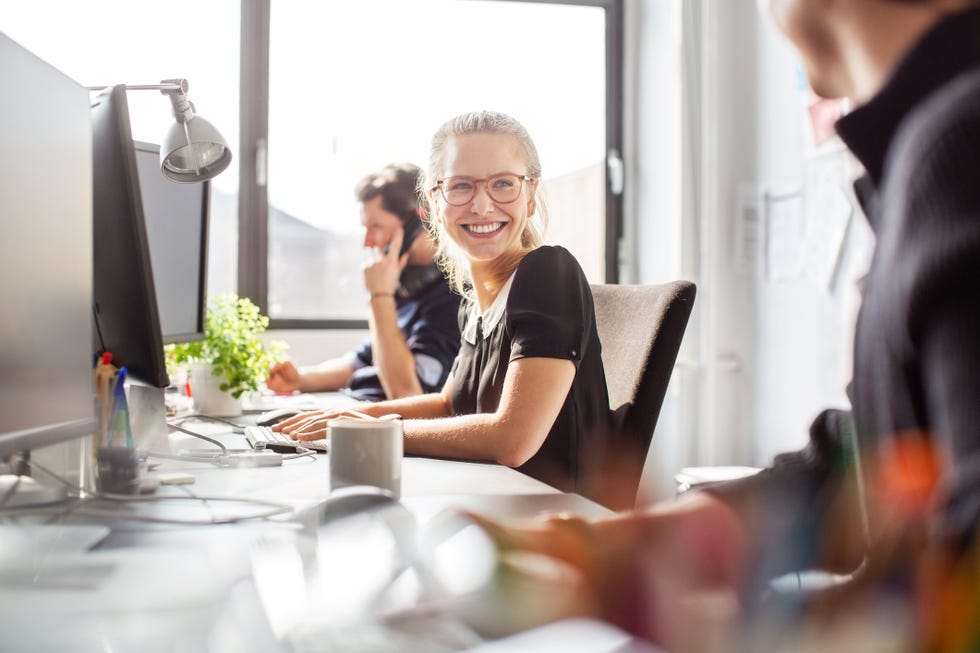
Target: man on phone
413, 312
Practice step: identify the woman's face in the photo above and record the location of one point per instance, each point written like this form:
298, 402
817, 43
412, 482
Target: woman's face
482, 228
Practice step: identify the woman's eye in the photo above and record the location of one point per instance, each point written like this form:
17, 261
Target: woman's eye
504, 182
460, 185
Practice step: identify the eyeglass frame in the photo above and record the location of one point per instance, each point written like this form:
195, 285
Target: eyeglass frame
442, 189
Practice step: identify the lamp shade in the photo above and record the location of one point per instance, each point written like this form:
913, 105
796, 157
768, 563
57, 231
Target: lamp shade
193, 151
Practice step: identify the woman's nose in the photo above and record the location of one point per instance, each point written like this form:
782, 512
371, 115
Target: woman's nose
481, 200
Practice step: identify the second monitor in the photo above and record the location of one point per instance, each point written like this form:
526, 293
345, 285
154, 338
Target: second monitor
177, 218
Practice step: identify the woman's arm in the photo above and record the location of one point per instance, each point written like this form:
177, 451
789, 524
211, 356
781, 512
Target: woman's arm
533, 394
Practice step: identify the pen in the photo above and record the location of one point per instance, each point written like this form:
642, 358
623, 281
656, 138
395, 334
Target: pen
121, 408
104, 375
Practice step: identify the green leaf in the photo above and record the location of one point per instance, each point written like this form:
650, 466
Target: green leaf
232, 344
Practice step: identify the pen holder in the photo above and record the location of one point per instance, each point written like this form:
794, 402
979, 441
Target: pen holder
118, 470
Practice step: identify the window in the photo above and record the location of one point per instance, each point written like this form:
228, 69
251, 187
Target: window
108, 42
353, 86
335, 90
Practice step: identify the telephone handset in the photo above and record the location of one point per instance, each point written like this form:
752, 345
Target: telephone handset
415, 279
412, 227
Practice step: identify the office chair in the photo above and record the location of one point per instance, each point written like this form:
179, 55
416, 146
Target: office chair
640, 329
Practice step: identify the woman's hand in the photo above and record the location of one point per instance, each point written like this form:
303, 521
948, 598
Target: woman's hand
312, 425
670, 573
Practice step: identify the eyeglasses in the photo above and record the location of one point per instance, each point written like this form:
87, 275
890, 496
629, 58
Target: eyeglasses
502, 188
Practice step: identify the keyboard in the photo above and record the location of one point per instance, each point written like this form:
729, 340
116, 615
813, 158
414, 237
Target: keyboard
263, 437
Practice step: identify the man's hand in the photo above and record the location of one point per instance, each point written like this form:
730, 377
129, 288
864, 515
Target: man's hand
283, 377
383, 270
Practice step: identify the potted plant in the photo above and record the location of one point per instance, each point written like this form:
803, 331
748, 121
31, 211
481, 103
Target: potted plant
231, 360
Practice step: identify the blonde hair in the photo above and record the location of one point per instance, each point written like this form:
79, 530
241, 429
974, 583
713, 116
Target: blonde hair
450, 258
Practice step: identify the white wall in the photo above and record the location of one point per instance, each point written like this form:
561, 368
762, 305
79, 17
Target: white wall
308, 347
804, 325
715, 104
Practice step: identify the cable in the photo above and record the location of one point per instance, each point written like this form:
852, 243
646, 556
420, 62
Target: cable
224, 449
301, 452
274, 509
110, 514
9, 494
183, 418
79, 508
12, 491
214, 459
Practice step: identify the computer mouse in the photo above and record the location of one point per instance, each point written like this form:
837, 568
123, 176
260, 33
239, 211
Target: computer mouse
275, 416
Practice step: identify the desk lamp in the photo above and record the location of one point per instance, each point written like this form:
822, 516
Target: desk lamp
193, 149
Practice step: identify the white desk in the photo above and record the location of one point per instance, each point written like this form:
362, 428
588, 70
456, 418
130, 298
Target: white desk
168, 587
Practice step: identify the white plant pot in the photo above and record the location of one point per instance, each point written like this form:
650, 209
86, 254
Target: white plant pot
209, 398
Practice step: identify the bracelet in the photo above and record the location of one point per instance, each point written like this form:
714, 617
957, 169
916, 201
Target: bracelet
375, 295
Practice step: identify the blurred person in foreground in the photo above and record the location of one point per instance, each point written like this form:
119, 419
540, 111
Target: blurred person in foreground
900, 519
414, 335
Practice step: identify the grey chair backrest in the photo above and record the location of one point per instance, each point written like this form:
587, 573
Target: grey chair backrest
640, 329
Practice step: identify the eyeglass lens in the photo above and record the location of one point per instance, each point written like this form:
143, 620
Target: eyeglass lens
501, 188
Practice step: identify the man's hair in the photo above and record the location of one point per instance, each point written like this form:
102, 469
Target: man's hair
397, 184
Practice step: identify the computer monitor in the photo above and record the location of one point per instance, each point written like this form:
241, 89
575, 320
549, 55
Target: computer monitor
177, 230
45, 255
127, 322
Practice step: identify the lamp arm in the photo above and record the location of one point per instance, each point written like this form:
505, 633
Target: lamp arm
166, 87
175, 88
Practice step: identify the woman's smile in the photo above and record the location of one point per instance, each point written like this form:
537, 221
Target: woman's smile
483, 229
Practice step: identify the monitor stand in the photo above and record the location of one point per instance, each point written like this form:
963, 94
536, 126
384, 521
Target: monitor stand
18, 491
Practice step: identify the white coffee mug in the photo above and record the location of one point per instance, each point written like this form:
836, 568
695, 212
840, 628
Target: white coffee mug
366, 452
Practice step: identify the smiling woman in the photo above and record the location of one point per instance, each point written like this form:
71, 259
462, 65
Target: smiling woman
528, 388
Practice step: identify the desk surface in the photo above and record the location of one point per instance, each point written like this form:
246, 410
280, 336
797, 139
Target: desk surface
169, 586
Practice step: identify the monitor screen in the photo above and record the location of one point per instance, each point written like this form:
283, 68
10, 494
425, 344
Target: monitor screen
126, 319
177, 231
45, 255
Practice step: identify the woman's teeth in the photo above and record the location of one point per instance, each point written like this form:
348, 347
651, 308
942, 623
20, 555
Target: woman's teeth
485, 227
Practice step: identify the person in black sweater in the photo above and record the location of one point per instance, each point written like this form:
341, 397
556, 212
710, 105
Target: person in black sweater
901, 508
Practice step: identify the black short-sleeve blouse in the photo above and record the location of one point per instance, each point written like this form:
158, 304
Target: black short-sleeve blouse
548, 313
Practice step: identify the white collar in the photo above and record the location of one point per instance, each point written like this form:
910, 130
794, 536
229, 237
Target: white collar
491, 316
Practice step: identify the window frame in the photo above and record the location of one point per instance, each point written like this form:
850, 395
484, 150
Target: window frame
253, 205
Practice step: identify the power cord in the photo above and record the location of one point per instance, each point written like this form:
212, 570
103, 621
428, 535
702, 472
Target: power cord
225, 458
207, 418
244, 459
78, 505
218, 443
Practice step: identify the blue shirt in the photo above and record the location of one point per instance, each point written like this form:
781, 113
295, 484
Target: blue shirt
428, 320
